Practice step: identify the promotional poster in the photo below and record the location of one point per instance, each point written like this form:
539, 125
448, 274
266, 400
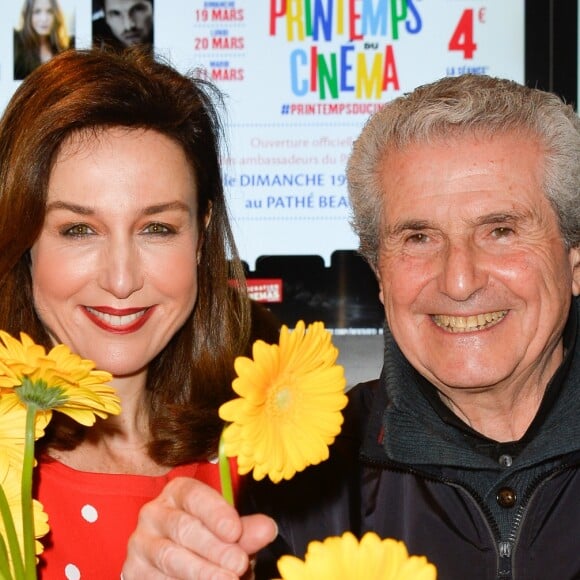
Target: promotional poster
300, 78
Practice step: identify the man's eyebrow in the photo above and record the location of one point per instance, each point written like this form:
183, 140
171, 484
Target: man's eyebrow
487, 219
500, 217
409, 225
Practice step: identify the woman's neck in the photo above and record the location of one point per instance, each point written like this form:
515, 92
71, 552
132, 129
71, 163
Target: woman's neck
118, 444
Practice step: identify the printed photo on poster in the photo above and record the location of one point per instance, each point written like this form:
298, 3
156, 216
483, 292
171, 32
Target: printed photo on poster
122, 23
42, 32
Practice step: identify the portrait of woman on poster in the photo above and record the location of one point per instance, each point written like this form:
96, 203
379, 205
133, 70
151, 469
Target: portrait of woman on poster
41, 34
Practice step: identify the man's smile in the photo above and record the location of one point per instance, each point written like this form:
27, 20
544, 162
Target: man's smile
468, 323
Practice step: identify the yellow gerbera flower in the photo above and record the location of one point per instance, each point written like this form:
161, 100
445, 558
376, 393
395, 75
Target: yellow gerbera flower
12, 431
33, 384
11, 485
289, 409
344, 558
60, 380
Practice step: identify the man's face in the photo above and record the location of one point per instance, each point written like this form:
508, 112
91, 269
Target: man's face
475, 278
130, 21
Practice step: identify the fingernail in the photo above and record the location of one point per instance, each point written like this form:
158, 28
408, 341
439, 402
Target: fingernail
235, 561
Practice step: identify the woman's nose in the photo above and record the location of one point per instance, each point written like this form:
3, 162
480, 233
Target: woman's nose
121, 271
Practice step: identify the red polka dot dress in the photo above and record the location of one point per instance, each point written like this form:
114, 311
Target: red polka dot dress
92, 515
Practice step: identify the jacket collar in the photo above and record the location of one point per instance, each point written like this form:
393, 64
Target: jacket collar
408, 427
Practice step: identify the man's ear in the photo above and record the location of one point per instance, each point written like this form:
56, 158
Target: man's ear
575, 265
375, 269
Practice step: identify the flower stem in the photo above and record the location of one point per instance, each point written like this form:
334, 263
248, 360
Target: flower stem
5, 573
225, 473
27, 507
11, 537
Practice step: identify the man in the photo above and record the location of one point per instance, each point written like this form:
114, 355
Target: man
465, 197
124, 23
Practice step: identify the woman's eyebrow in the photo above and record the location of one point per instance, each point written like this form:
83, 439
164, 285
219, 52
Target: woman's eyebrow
150, 210
169, 206
73, 207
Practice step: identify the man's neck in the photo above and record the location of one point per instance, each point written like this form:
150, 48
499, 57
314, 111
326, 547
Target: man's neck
501, 418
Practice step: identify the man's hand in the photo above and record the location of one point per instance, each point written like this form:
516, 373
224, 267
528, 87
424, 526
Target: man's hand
191, 532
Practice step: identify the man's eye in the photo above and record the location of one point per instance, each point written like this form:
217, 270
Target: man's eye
502, 232
418, 238
77, 231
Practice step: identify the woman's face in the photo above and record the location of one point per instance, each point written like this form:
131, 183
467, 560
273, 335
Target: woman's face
114, 270
42, 17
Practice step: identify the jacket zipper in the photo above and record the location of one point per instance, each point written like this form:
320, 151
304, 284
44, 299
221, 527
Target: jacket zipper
504, 548
509, 547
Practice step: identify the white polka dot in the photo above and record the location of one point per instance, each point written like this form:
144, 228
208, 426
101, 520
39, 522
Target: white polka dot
90, 513
71, 572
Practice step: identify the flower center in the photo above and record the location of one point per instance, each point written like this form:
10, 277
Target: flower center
40, 394
283, 398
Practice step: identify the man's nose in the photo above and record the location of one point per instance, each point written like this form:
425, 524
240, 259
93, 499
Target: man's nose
128, 21
462, 272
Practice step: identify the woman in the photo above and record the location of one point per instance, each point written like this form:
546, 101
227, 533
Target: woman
42, 35
115, 241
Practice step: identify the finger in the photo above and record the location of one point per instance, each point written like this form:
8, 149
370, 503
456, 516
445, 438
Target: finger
173, 562
179, 527
207, 504
258, 531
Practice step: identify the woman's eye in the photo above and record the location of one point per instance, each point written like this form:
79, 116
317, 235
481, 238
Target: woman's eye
77, 231
158, 229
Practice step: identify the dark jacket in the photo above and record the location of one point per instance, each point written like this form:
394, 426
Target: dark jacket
404, 469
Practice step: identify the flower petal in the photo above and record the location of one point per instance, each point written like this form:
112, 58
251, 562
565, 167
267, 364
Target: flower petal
346, 557
288, 412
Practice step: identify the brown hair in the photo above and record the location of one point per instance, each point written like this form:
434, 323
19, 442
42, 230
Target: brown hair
91, 91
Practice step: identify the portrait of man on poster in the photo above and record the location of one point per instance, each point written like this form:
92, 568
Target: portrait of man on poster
122, 23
